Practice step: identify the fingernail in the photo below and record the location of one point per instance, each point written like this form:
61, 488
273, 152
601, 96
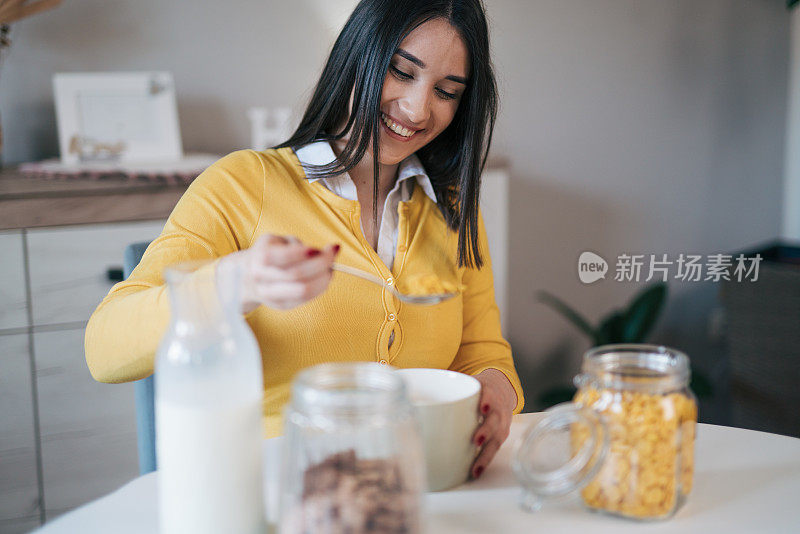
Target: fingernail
313, 252
480, 441
336, 248
485, 409
478, 471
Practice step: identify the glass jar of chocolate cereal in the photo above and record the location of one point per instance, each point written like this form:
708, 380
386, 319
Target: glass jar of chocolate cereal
352, 458
625, 443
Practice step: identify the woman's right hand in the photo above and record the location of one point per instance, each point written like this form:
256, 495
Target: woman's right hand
281, 272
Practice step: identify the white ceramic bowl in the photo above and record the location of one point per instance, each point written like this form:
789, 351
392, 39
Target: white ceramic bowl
446, 404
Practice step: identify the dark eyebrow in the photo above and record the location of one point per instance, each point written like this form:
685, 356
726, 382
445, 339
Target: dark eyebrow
417, 61
457, 79
411, 57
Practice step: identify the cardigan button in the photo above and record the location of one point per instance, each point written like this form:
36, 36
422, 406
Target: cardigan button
389, 281
392, 317
384, 362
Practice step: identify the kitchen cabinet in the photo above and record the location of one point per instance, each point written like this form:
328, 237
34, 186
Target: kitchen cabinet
19, 496
495, 197
65, 439
88, 429
68, 266
13, 311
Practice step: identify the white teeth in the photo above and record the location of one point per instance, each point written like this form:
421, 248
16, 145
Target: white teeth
396, 128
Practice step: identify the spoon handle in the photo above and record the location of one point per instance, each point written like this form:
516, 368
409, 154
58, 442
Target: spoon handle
366, 276
411, 299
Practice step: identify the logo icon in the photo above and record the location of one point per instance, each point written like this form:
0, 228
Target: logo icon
591, 267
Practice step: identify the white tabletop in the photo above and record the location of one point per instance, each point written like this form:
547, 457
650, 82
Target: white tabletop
745, 481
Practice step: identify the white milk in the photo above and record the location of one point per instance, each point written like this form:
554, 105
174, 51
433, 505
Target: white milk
208, 393
209, 468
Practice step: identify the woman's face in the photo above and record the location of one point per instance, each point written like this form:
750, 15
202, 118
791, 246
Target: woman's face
422, 89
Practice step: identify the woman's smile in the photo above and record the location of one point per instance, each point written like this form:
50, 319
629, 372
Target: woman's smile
397, 130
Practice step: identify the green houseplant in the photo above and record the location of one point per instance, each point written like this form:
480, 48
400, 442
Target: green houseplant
631, 324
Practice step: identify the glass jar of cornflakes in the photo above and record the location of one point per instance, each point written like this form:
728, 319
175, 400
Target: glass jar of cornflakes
626, 442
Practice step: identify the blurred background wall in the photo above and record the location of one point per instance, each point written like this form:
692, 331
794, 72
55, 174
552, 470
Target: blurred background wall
631, 126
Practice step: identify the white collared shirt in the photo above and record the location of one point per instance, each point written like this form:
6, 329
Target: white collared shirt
321, 153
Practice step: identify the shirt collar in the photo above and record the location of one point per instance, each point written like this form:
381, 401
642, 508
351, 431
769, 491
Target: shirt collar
321, 153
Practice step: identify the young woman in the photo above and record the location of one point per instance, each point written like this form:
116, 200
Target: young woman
382, 174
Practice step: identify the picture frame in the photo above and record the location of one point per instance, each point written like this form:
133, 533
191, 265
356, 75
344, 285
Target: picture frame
119, 117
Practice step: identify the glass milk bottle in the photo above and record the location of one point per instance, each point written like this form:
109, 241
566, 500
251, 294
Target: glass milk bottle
208, 390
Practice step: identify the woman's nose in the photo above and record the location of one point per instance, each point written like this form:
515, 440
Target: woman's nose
416, 105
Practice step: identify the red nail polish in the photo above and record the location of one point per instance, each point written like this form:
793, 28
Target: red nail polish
481, 439
485, 409
313, 252
478, 471
336, 249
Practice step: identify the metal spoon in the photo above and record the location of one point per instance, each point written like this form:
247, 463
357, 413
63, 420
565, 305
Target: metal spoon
411, 299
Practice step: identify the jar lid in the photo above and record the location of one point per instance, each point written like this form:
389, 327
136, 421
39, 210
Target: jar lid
560, 453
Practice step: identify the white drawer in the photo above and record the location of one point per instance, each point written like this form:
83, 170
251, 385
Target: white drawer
68, 266
13, 311
19, 493
88, 429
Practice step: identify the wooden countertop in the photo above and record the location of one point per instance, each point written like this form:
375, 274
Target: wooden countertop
28, 201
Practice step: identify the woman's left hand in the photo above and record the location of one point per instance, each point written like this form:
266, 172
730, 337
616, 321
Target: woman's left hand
498, 400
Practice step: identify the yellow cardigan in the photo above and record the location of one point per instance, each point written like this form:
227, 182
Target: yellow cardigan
247, 194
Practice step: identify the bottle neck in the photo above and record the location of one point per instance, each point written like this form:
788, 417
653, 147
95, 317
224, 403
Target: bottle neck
201, 299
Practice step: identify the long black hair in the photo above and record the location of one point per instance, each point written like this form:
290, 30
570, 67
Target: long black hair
358, 63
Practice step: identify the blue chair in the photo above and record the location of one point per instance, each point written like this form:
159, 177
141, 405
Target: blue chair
143, 389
